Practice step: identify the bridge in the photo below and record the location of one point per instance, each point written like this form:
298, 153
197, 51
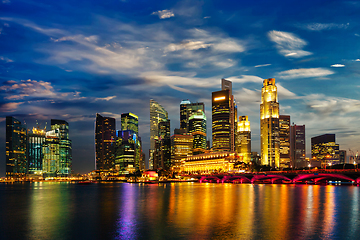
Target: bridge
297, 176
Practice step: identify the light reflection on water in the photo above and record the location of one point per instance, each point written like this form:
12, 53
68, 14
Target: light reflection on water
178, 211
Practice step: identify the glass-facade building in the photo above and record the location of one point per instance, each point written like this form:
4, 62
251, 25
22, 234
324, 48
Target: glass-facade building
243, 139
51, 154
130, 121
186, 110
325, 149
181, 148
16, 141
36, 140
197, 127
126, 155
297, 148
284, 135
164, 141
269, 124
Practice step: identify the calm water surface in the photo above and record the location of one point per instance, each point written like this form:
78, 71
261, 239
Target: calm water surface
178, 211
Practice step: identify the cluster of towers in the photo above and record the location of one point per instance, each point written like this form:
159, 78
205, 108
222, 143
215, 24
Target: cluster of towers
38, 152
118, 150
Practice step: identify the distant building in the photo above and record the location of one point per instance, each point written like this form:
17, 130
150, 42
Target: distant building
164, 145
269, 124
255, 158
284, 134
186, 110
105, 138
181, 148
243, 139
16, 141
130, 121
197, 127
297, 146
325, 149
157, 114
126, 154
224, 116
342, 156
36, 140
51, 151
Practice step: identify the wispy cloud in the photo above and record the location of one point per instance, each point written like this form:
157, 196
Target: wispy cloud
304, 73
10, 107
288, 44
187, 44
324, 26
263, 65
246, 78
163, 14
105, 98
333, 105
2, 58
357, 60
338, 65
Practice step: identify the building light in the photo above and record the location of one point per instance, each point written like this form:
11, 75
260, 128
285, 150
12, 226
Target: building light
219, 98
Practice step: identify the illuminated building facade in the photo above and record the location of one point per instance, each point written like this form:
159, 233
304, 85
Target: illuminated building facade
269, 124
164, 156
51, 151
105, 138
325, 149
16, 141
342, 156
181, 147
284, 134
186, 110
197, 127
243, 139
130, 121
36, 140
65, 148
157, 114
209, 162
297, 146
126, 155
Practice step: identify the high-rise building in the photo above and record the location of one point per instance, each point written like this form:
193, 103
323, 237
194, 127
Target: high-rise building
130, 121
186, 110
164, 145
105, 139
16, 140
297, 146
197, 127
126, 154
284, 134
269, 124
243, 139
51, 151
181, 148
325, 149
342, 156
36, 140
157, 114
65, 148
223, 118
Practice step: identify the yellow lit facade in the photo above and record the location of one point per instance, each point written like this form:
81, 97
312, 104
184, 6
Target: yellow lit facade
243, 139
209, 162
269, 124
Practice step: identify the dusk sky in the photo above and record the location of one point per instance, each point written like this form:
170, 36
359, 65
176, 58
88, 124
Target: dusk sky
72, 59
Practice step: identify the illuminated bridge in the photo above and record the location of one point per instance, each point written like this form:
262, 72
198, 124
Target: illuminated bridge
311, 176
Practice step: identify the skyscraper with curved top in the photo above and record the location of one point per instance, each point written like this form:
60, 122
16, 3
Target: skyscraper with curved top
269, 124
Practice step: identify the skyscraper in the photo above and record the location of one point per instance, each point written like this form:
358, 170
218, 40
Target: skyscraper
157, 114
105, 138
164, 145
130, 121
243, 139
51, 151
186, 110
297, 146
16, 140
36, 140
284, 134
197, 127
269, 124
223, 118
181, 148
325, 149
125, 154
65, 148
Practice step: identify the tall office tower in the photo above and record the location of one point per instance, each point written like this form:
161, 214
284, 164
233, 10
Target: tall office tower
197, 127
65, 149
126, 156
181, 148
130, 121
105, 138
243, 139
223, 118
325, 149
36, 140
297, 146
186, 110
16, 138
284, 134
165, 145
342, 156
51, 151
157, 114
269, 124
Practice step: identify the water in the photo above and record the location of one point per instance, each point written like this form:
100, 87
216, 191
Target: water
178, 211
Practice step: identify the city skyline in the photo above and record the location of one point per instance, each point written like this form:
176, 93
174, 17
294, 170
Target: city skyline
69, 64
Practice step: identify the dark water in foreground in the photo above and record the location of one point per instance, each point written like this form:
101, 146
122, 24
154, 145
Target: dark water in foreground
178, 211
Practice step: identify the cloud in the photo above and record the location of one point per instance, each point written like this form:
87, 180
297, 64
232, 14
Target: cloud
333, 105
304, 73
164, 14
105, 98
284, 93
9, 107
337, 65
324, 26
263, 65
288, 44
246, 78
357, 60
187, 44
6, 59
228, 45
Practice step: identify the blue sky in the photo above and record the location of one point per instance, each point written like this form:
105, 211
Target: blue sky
72, 59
